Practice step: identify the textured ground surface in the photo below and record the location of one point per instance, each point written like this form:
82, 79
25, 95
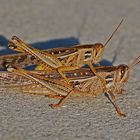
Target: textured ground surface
53, 23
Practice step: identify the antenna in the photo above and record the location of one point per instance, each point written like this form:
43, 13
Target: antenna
135, 62
113, 32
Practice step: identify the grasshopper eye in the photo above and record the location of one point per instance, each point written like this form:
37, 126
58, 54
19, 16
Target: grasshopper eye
122, 73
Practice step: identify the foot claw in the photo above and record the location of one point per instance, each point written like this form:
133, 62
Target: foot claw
122, 114
54, 106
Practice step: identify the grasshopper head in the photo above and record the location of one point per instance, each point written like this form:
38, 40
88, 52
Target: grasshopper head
122, 74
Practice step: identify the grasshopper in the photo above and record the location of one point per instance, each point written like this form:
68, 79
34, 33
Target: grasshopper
25, 59
86, 83
78, 56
